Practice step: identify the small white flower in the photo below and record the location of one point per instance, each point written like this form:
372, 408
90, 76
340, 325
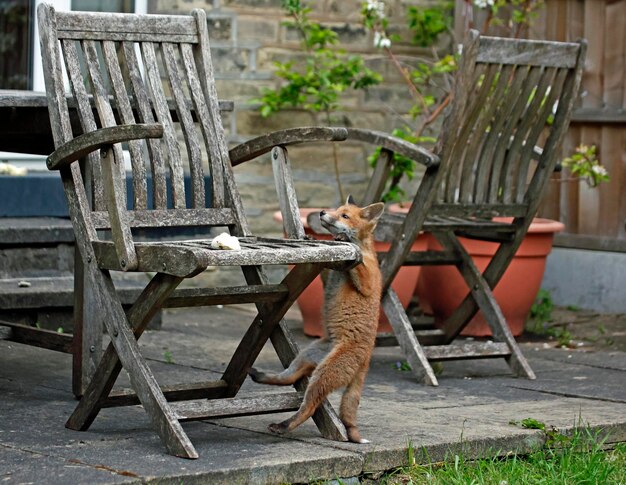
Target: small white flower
483, 3
599, 170
381, 41
377, 7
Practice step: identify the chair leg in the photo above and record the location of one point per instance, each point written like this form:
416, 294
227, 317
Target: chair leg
87, 334
483, 296
406, 339
269, 324
492, 275
124, 352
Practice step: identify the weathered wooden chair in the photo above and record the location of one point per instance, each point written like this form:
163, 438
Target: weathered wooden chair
132, 65
510, 97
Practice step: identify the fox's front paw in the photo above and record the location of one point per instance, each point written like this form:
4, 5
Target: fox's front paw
277, 428
342, 237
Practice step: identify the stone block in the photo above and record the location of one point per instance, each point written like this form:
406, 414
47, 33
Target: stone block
397, 98
252, 3
220, 27
267, 56
230, 59
350, 34
241, 91
251, 123
255, 28
183, 7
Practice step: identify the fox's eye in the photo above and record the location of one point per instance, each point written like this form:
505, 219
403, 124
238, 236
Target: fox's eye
345, 216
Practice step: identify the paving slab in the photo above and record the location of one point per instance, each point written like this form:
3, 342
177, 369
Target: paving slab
474, 409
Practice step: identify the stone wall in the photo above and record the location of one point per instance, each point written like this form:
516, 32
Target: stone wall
247, 38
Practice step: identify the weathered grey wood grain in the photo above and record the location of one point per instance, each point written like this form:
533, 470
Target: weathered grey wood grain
394, 144
204, 119
144, 108
188, 128
38, 337
411, 348
128, 27
503, 94
82, 145
176, 392
264, 143
170, 218
528, 52
477, 350
196, 410
140, 189
93, 172
376, 185
287, 199
151, 65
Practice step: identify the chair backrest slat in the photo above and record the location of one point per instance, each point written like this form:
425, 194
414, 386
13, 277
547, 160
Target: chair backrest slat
503, 123
124, 27
140, 95
204, 119
528, 52
140, 189
164, 117
483, 83
506, 92
522, 150
485, 117
189, 130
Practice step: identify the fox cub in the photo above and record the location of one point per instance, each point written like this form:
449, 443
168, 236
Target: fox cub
352, 302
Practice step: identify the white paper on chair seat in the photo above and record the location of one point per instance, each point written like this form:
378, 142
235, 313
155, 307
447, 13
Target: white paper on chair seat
226, 241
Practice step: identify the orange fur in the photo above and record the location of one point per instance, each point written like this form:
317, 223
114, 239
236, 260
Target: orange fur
352, 302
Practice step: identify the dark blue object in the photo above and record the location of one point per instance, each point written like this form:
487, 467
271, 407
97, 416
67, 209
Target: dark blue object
40, 194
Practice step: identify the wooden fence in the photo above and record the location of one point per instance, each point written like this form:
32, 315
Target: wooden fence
595, 218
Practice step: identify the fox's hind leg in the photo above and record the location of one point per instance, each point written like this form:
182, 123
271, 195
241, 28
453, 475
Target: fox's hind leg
350, 403
335, 371
302, 366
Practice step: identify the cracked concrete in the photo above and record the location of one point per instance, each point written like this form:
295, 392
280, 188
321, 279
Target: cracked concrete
472, 410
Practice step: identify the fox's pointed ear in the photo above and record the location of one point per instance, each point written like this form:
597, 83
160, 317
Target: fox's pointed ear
350, 200
373, 212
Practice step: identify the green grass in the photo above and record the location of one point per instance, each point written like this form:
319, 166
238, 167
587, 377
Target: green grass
579, 459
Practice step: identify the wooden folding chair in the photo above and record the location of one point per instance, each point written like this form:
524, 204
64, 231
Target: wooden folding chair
510, 97
147, 80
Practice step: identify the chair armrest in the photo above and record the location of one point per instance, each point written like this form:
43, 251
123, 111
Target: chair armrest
263, 144
86, 143
396, 145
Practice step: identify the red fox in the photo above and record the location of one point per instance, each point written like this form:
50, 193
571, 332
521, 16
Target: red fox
352, 302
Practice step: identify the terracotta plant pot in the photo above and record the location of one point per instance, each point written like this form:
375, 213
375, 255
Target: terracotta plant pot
311, 301
441, 288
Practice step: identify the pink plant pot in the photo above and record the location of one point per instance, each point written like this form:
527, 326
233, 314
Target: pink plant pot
311, 300
441, 288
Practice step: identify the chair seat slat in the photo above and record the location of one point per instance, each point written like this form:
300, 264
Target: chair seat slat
186, 259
